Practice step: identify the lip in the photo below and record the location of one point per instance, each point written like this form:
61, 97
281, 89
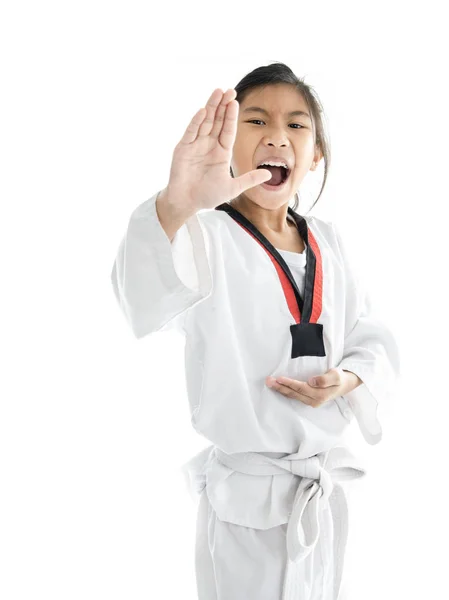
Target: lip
276, 159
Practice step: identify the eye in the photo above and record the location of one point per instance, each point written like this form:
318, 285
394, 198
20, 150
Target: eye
297, 124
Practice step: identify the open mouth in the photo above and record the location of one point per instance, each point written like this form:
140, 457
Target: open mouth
279, 175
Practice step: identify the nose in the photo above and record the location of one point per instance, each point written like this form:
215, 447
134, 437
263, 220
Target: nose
278, 139
276, 135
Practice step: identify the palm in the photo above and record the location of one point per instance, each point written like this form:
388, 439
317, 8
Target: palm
201, 160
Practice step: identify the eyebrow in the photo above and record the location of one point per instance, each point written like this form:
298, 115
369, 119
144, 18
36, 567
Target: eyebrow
293, 113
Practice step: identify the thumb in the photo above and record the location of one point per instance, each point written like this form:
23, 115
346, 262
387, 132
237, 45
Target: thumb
331, 377
251, 179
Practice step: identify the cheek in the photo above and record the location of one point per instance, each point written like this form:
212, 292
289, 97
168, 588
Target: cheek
243, 156
299, 171
238, 150
246, 140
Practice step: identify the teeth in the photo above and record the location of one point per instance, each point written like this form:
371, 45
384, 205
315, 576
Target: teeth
274, 164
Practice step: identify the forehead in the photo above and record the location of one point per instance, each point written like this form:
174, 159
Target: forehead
278, 97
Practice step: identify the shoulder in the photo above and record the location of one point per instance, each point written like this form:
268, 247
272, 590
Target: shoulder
210, 215
329, 236
214, 223
318, 222
212, 218
325, 229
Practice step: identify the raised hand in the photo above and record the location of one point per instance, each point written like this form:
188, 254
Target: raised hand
199, 173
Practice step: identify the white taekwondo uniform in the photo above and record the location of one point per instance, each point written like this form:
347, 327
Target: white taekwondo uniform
272, 514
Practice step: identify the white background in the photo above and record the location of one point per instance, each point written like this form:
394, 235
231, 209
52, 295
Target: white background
95, 425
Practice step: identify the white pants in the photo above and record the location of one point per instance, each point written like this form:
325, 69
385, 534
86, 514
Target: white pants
235, 562
240, 563
299, 560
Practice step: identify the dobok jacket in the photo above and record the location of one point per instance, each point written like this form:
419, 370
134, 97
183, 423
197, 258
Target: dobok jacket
245, 316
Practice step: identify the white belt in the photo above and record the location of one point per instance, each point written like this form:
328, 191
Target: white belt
319, 485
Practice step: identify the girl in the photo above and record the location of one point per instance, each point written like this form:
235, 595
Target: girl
282, 351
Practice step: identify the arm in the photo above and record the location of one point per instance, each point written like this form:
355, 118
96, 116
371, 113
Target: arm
352, 381
370, 352
157, 279
169, 215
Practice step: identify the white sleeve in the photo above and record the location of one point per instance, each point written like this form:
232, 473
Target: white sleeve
370, 351
155, 281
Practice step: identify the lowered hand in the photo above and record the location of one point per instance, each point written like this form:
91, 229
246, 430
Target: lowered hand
319, 389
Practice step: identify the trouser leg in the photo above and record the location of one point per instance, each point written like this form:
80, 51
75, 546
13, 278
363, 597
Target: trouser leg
204, 567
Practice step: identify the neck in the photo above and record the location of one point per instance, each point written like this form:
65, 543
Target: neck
265, 219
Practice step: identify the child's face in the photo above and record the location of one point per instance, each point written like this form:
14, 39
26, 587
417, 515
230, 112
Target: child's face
275, 133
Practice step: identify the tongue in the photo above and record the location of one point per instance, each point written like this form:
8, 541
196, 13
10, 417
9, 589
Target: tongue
276, 174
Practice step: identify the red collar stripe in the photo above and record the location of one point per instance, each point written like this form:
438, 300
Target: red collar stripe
317, 302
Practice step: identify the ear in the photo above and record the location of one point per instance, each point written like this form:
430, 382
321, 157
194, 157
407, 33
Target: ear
316, 159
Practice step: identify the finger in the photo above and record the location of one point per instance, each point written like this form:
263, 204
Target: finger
249, 180
332, 377
285, 390
304, 391
294, 395
221, 111
211, 107
313, 401
229, 128
191, 132
293, 392
292, 388
300, 387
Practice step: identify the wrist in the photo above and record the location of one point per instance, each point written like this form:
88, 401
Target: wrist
351, 382
175, 203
